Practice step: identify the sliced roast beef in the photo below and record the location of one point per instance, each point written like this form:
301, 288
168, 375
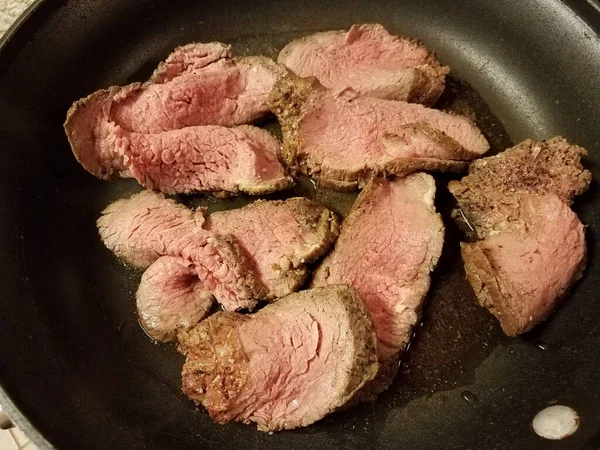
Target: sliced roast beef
147, 226
209, 158
371, 61
532, 246
286, 366
486, 195
226, 92
276, 239
171, 298
200, 158
190, 58
342, 138
390, 242
522, 273
136, 130
279, 238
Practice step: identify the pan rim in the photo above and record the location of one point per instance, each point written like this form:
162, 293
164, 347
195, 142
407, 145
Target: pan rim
14, 413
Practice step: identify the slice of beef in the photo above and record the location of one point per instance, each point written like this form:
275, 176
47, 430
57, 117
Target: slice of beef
279, 238
487, 195
276, 238
190, 58
389, 243
286, 366
522, 274
371, 61
147, 225
171, 298
533, 246
226, 92
216, 159
342, 138
202, 158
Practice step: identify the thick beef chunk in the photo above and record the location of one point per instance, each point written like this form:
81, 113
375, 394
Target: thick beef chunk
532, 246
390, 242
371, 61
286, 366
342, 138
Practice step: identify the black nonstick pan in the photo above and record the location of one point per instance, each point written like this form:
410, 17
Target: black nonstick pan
76, 369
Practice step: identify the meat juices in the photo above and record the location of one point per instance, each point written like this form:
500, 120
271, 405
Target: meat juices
532, 246
286, 366
389, 244
342, 139
369, 60
171, 134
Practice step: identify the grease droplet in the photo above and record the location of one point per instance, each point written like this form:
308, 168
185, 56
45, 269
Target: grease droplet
470, 398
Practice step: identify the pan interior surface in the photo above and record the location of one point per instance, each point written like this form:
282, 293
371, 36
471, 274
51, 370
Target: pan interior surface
73, 358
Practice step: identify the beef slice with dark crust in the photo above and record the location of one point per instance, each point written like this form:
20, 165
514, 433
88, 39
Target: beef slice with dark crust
369, 60
171, 298
523, 273
486, 195
286, 366
532, 246
280, 237
147, 225
389, 244
342, 139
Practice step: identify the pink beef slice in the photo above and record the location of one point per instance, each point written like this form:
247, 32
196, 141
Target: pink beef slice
342, 139
227, 92
147, 225
286, 366
276, 239
190, 58
522, 274
389, 244
199, 158
171, 298
279, 237
216, 159
369, 60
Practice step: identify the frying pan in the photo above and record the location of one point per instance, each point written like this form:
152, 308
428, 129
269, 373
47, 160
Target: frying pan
76, 369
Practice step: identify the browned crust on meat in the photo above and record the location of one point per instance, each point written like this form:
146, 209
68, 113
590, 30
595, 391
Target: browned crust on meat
486, 195
553, 166
215, 363
286, 99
